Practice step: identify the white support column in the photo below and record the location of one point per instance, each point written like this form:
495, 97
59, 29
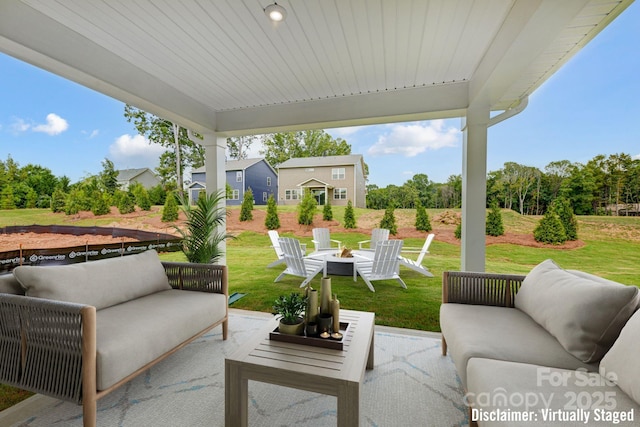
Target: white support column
474, 187
216, 179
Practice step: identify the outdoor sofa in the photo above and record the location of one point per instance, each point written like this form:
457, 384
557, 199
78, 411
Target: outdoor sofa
553, 348
77, 332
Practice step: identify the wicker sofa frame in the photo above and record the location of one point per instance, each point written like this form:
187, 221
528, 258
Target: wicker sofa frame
49, 347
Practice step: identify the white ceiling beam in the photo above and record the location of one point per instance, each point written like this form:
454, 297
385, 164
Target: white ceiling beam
61, 51
424, 103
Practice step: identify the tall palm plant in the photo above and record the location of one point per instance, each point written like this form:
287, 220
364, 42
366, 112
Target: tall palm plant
201, 238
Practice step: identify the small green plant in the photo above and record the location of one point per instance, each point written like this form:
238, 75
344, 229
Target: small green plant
349, 216
327, 213
422, 218
494, 225
170, 211
141, 196
272, 221
389, 220
289, 307
201, 239
458, 231
246, 209
100, 205
125, 202
307, 208
550, 229
58, 200
562, 207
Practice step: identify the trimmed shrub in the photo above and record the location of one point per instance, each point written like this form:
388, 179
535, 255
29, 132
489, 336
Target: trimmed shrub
327, 213
170, 210
422, 218
100, 204
562, 207
307, 208
550, 229
246, 209
494, 225
272, 221
389, 220
349, 216
124, 202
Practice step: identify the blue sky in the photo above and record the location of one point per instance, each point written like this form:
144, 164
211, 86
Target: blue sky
590, 107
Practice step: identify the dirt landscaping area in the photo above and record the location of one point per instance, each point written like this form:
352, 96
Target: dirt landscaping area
443, 227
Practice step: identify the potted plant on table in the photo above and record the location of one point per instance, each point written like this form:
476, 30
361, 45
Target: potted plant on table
290, 308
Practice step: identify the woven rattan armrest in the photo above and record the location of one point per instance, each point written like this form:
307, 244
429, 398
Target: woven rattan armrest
480, 288
197, 277
37, 334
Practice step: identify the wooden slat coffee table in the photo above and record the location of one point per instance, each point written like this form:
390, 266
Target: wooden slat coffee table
333, 372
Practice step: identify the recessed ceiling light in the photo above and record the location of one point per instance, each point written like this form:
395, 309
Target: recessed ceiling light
275, 12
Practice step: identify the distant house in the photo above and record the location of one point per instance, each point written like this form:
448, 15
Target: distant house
241, 175
334, 178
144, 176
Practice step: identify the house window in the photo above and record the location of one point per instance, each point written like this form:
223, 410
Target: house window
340, 193
239, 176
235, 195
309, 169
268, 181
337, 173
264, 196
292, 194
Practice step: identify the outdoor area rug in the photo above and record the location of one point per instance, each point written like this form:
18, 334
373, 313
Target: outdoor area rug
412, 384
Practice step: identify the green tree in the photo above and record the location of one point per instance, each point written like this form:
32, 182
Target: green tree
184, 152
75, 198
100, 204
550, 229
108, 177
202, 238
349, 216
141, 196
389, 220
279, 147
6, 198
562, 208
327, 213
125, 202
246, 210
238, 147
170, 211
422, 218
58, 200
31, 198
307, 208
494, 226
424, 188
272, 221
157, 195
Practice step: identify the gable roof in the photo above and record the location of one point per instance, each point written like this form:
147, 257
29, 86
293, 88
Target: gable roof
305, 162
129, 174
237, 165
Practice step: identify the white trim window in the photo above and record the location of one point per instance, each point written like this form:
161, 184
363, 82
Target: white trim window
239, 176
338, 173
264, 196
292, 194
340, 194
235, 194
268, 181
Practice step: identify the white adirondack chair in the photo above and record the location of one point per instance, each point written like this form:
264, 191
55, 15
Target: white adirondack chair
384, 264
274, 236
417, 264
322, 240
298, 264
377, 235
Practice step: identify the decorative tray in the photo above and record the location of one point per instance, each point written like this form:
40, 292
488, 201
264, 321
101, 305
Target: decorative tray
332, 343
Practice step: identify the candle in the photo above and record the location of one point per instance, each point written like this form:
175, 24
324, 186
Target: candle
335, 312
325, 334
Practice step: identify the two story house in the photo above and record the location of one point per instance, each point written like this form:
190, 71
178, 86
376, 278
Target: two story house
241, 175
334, 178
144, 176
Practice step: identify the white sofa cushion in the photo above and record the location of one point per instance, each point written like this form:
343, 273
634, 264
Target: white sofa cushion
102, 283
10, 285
584, 314
620, 364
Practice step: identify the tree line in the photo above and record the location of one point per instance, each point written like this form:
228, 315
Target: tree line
605, 185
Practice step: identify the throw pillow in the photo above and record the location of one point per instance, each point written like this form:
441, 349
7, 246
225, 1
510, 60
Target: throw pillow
583, 314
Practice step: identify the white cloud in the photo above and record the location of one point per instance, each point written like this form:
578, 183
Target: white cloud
91, 134
134, 152
412, 139
19, 125
636, 157
55, 125
344, 131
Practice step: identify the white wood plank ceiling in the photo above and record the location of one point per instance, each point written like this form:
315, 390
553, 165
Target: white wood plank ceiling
222, 65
